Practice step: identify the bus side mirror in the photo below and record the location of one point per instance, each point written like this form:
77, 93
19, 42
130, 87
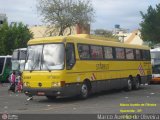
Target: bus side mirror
69, 67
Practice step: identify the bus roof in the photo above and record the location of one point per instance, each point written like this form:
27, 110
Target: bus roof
155, 50
20, 49
85, 39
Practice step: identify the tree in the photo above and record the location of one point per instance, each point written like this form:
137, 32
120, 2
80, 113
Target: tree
104, 33
150, 26
13, 36
63, 14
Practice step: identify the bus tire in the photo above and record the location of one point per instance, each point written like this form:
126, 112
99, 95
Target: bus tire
129, 85
84, 91
137, 83
51, 97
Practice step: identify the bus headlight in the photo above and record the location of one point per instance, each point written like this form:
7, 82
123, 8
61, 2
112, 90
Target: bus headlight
26, 84
55, 84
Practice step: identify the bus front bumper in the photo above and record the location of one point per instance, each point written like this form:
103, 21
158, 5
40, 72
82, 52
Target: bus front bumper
155, 80
41, 91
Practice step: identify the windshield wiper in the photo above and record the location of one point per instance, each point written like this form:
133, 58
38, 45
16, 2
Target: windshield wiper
44, 63
47, 67
34, 66
36, 63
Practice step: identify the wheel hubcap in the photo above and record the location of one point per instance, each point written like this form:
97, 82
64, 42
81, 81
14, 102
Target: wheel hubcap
84, 90
137, 84
129, 85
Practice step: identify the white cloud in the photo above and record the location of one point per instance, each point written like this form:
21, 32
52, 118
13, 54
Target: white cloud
123, 12
20, 11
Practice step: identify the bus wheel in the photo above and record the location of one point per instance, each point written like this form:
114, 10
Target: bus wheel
84, 91
129, 85
51, 97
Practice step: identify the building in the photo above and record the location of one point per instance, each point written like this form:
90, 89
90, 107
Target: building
133, 37
38, 31
123, 34
3, 18
44, 31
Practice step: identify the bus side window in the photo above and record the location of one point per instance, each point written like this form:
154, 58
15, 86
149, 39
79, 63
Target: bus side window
146, 55
138, 54
120, 53
22, 54
70, 56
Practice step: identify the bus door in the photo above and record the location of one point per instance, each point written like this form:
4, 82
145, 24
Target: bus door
70, 63
2, 60
70, 56
5, 68
8, 68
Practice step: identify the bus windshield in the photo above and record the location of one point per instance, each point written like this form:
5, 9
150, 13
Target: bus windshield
15, 55
45, 57
18, 59
156, 69
155, 58
19, 54
155, 55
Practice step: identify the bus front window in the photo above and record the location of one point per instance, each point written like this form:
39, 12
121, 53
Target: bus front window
15, 55
53, 57
45, 57
34, 54
22, 54
156, 69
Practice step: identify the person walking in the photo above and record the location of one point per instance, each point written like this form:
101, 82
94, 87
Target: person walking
13, 80
19, 84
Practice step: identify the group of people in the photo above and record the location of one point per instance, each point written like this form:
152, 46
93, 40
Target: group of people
16, 82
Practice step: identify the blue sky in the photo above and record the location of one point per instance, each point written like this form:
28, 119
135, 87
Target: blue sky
126, 13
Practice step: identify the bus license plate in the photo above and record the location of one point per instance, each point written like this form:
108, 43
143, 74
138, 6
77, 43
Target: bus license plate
41, 93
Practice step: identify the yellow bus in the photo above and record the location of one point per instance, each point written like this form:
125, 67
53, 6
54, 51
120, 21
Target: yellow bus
83, 64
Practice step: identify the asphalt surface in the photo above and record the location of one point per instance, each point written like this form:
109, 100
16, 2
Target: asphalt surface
143, 101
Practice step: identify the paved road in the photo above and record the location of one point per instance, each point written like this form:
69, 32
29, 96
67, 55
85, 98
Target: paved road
145, 100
